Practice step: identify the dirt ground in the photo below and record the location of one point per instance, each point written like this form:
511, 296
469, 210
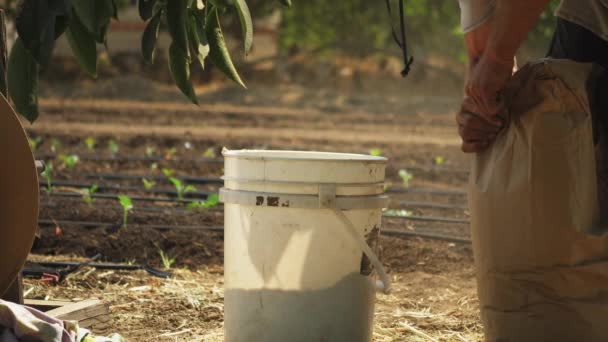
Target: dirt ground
434, 296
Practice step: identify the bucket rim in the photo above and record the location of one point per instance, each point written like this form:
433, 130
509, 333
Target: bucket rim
294, 155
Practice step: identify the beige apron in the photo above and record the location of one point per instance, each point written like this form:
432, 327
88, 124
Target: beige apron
533, 199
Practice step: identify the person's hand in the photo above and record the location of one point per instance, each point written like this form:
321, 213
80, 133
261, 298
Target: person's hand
476, 131
487, 79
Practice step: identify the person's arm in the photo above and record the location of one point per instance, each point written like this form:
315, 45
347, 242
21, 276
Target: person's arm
512, 20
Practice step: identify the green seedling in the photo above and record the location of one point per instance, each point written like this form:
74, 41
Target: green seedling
148, 184
166, 259
150, 151
398, 213
170, 153
376, 152
127, 206
209, 153
91, 143
88, 195
406, 177
181, 188
34, 142
55, 145
167, 172
69, 161
211, 201
113, 147
48, 175
439, 160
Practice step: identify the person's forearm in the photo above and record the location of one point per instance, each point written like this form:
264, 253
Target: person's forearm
513, 20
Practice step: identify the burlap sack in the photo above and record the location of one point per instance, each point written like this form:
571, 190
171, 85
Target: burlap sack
533, 201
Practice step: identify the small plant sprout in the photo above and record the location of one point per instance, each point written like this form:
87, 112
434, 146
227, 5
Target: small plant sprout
166, 259
90, 142
211, 201
406, 177
167, 172
48, 175
181, 188
209, 153
170, 153
34, 142
69, 161
88, 195
113, 147
150, 151
439, 160
55, 145
127, 206
148, 184
376, 152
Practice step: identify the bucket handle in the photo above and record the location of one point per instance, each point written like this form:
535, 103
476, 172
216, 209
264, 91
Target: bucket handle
384, 284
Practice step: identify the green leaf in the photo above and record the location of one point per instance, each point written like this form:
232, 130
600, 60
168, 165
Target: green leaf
23, 81
211, 201
197, 36
179, 65
219, 52
149, 38
125, 202
177, 15
146, 8
246, 23
286, 3
95, 15
83, 46
39, 23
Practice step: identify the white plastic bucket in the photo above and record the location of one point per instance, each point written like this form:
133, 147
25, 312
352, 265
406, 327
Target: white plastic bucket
297, 256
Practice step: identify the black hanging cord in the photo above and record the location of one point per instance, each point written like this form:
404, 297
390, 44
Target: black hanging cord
402, 43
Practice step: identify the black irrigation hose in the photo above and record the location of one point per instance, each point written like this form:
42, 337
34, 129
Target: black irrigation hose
429, 219
134, 198
185, 179
104, 187
132, 158
204, 194
431, 191
102, 266
414, 204
47, 222
435, 169
384, 231
169, 210
433, 236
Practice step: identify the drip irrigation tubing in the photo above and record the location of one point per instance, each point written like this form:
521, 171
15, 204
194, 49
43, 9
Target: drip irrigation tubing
105, 187
428, 219
219, 181
160, 210
431, 191
384, 231
134, 198
186, 179
432, 205
133, 158
67, 223
203, 160
432, 236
